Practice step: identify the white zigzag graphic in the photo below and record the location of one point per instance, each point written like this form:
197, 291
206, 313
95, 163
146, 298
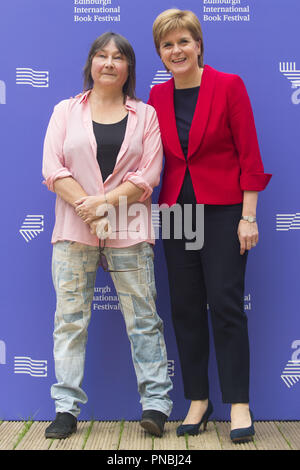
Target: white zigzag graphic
291, 373
26, 365
290, 72
161, 76
285, 222
28, 76
32, 226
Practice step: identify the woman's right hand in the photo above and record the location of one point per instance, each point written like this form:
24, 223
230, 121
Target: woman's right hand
105, 230
93, 226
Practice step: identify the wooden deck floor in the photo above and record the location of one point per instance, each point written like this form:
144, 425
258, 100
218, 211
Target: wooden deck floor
128, 435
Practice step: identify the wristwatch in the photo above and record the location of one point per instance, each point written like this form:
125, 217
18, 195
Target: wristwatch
249, 218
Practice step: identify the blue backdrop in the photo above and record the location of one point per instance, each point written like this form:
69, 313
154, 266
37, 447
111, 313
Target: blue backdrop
43, 47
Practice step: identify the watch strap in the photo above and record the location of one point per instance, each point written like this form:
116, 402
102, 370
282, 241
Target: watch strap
248, 218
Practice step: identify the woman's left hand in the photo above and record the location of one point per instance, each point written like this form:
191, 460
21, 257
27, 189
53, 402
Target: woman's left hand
86, 207
248, 235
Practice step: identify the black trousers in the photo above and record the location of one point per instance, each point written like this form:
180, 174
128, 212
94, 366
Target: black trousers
213, 275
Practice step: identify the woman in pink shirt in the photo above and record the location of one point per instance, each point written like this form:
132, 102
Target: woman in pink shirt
103, 153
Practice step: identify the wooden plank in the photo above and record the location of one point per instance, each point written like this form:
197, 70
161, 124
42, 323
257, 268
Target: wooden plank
35, 439
106, 436
268, 437
169, 440
134, 437
9, 432
206, 440
291, 432
103, 436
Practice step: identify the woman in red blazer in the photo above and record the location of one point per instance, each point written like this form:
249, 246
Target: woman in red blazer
212, 158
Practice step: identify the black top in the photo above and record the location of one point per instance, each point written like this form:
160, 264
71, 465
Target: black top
109, 138
185, 101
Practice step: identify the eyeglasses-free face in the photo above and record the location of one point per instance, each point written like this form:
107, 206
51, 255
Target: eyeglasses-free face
109, 67
179, 52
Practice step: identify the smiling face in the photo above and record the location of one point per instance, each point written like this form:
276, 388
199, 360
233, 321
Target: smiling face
109, 67
179, 53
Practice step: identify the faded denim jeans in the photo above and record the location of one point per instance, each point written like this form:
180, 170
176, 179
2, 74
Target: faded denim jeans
74, 268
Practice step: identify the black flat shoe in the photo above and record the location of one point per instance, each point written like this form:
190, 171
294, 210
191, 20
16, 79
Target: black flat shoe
153, 421
194, 429
243, 434
63, 426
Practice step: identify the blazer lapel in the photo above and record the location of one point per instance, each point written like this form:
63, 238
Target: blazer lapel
168, 121
202, 110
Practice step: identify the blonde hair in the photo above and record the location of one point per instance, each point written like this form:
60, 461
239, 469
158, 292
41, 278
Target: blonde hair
172, 19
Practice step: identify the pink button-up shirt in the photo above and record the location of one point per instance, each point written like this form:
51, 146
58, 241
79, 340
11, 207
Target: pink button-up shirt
70, 149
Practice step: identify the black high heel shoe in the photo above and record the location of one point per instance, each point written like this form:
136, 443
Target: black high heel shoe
194, 429
243, 434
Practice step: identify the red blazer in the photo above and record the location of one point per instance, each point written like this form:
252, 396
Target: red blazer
223, 152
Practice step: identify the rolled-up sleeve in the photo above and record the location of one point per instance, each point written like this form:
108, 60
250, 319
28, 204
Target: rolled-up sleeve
252, 177
147, 175
53, 159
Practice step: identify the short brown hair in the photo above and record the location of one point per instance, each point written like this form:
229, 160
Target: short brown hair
125, 48
172, 19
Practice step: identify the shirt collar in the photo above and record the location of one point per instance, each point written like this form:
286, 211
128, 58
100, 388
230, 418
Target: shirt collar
83, 98
130, 103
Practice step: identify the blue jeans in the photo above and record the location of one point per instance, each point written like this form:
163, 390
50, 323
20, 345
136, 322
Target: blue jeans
74, 268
